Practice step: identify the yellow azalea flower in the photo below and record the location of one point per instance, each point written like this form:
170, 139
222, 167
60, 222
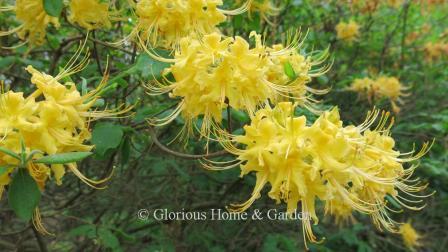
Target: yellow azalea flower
90, 14
410, 236
164, 22
365, 6
435, 51
348, 32
34, 21
216, 72
361, 86
53, 119
428, 5
387, 87
349, 168
341, 211
411, 37
395, 3
265, 8
391, 88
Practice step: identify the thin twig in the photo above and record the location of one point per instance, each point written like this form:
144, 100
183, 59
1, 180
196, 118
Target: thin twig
60, 51
403, 36
97, 56
162, 147
387, 42
40, 240
229, 117
111, 46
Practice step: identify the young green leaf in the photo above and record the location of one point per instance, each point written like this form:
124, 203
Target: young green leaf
148, 67
23, 194
53, 7
289, 71
63, 158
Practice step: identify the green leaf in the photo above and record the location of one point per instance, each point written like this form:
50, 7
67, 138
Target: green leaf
9, 153
289, 71
53, 7
35, 63
148, 67
124, 235
149, 111
53, 41
63, 158
23, 195
6, 61
108, 239
88, 230
237, 21
278, 242
254, 23
239, 116
105, 137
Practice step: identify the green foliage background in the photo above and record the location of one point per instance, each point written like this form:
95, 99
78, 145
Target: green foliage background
145, 177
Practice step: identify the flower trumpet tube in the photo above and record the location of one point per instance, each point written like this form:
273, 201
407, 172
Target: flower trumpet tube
349, 168
217, 72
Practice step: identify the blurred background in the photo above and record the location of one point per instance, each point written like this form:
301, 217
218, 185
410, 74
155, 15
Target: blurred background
403, 39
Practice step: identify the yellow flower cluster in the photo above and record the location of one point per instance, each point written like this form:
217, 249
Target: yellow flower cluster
265, 8
365, 6
428, 5
165, 22
387, 87
395, 3
349, 168
90, 14
410, 236
218, 72
413, 36
348, 32
53, 119
34, 21
435, 51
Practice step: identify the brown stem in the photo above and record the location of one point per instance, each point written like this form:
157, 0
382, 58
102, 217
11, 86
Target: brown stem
229, 116
97, 56
403, 37
387, 42
59, 52
40, 240
162, 147
111, 46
